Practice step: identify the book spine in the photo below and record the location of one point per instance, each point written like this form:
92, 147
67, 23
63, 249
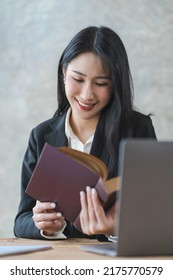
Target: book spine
107, 199
77, 223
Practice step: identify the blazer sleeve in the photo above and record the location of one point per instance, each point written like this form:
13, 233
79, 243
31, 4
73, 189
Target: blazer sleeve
24, 225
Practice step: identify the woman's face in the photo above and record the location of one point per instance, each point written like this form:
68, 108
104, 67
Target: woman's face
88, 86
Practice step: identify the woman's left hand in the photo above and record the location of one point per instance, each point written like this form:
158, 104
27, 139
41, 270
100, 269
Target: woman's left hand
93, 218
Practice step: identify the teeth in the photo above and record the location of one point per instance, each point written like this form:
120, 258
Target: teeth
85, 105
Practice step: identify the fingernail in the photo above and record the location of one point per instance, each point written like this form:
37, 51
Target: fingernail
93, 191
52, 205
81, 193
59, 214
88, 189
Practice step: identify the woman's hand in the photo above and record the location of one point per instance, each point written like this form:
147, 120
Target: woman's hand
46, 218
93, 218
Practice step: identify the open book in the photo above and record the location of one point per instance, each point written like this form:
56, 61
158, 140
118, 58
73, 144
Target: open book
60, 175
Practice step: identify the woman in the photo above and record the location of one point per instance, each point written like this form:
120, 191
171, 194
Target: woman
94, 114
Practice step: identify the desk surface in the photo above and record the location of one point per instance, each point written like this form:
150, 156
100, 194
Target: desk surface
61, 250
68, 249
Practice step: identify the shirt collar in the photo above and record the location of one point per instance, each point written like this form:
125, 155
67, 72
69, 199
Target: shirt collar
69, 132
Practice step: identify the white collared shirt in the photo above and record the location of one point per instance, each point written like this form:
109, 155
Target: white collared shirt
73, 141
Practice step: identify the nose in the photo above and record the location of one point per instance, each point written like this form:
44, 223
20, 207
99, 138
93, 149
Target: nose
87, 92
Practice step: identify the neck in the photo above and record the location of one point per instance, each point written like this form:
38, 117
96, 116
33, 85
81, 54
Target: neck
83, 129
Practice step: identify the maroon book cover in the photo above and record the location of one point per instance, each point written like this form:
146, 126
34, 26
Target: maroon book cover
59, 178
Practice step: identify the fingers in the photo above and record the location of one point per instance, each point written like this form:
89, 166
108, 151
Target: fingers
46, 218
50, 227
91, 211
84, 218
97, 206
93, 218
84, 205
52, 216
41, 207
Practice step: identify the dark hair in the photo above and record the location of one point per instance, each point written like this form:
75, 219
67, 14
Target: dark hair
107, 45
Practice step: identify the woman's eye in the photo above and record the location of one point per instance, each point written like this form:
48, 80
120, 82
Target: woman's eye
101, 84
78, 80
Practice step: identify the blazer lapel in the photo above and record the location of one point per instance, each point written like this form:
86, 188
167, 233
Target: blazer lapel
57, 137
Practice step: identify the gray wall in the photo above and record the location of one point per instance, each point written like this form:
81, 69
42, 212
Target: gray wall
32, 36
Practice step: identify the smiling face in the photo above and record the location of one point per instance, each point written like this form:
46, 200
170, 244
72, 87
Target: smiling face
87, 86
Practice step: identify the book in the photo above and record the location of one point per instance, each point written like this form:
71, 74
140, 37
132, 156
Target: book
61, 173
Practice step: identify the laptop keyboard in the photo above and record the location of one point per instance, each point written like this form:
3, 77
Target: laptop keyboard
109, 249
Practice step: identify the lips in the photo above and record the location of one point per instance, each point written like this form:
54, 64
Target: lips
85, 106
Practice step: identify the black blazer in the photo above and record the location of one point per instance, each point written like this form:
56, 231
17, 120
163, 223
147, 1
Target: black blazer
52, 131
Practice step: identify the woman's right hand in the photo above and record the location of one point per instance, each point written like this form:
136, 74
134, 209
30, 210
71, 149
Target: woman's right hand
46, 218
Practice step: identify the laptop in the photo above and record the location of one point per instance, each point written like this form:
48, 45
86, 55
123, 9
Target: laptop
145, 216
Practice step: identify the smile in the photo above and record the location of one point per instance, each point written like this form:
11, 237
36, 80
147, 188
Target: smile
85, 106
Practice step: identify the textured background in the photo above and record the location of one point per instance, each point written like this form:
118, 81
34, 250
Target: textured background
32, 36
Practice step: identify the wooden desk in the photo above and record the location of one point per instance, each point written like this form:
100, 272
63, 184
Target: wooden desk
62, 250
68, 249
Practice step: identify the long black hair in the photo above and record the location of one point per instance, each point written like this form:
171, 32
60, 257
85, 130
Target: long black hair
107, 45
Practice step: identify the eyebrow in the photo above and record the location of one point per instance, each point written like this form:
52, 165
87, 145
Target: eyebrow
98, 77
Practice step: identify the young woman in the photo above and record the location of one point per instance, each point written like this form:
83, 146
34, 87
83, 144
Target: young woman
94, 114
